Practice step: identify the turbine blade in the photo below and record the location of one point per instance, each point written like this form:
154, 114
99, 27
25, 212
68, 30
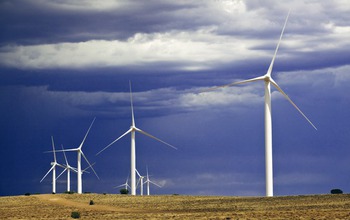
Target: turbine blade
89, 164
81, 145
139, 182
64, 153
155, 183
119, 186
114, 141
295, 106
151, 136
47, 173
278, 44
147, 172
234, 83
60, 165
65, 150
138, 173
85, 170
53, 149
132, 108
61, 173
125, 184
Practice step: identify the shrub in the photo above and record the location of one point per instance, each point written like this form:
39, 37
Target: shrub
75, 215
27, 194
91, 202
336, 191
124, 191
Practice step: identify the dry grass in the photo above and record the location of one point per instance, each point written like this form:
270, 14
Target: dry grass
60, 206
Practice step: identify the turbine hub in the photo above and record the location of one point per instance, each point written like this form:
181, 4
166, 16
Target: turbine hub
267, 78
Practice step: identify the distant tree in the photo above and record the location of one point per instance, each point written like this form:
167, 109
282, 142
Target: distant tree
75, 215
336, 191
124, 191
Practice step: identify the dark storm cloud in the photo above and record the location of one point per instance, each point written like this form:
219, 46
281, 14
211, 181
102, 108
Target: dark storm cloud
33, 22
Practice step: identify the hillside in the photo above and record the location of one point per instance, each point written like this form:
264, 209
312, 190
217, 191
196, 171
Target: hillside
109, 206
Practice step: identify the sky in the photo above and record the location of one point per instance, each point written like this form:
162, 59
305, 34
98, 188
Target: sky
65, 62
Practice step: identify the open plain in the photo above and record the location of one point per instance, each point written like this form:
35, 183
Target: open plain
109, 206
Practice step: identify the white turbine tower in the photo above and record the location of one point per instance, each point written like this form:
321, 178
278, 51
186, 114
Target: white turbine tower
68, 168
148, 181
53, 168
80, 153
133, 129
268, 116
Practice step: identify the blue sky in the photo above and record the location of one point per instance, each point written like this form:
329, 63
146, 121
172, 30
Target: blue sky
62, 63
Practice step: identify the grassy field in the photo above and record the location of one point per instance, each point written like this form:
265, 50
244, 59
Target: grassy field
109, 206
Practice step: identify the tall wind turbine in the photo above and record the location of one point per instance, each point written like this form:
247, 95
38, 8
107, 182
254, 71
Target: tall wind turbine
81, 153
148, 181
53, 168
68, 168
268, 116
133, 129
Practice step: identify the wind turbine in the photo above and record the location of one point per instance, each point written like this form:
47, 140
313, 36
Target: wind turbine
68, 168
148, 181
53, 168
133, 129
268, 116
141, 182
125, 184
81, 153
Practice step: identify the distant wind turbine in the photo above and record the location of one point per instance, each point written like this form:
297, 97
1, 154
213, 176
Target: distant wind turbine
126, 185
133, 129
68, 168
80, 153
53, 168
148, 181
268, 116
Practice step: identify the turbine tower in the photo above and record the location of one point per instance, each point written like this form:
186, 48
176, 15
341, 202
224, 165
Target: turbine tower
133, 129
268, 115
68, 168
81, 153
53, 168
